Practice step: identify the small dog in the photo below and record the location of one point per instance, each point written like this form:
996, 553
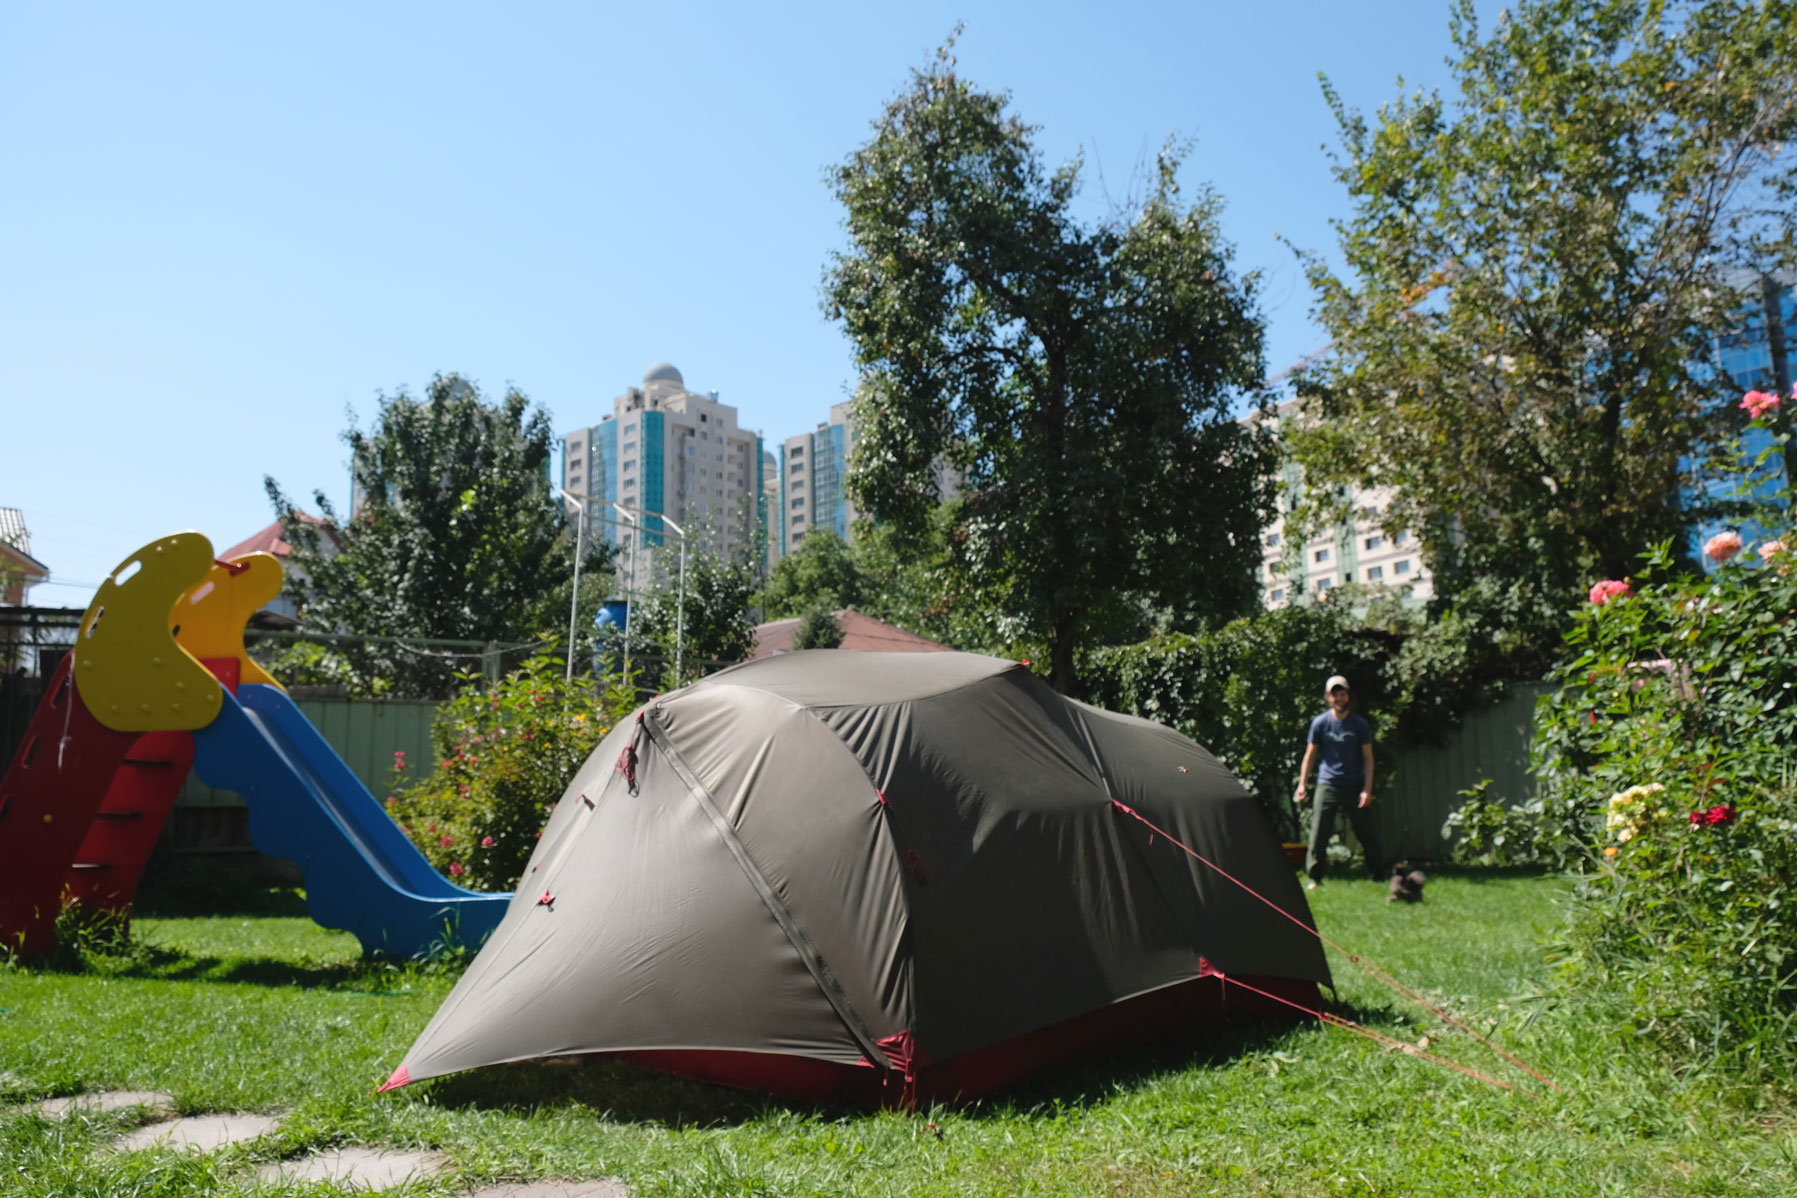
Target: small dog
1406, 885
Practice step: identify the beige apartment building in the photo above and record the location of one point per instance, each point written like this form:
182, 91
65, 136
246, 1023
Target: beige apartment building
1360, 550
667, 459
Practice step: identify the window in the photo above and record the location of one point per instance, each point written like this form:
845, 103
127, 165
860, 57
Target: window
1401, 568
704, 436
1373, 543
703, 417
797, 451
1402, 538
1347, 576
630, 447
796, 521
630, 484
797, 504
1323, 584
630, 463
797, 537
574, 466
796, 468
1375, 573
1273, 541
1322, 555
1277, 595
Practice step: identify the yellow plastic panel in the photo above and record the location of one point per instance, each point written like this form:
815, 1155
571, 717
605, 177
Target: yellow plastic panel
128, 668
210, 618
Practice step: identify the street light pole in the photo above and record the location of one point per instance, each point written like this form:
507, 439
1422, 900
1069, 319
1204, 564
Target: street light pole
580, 528
634, 516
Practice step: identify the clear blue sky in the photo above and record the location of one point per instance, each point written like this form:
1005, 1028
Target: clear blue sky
222, 225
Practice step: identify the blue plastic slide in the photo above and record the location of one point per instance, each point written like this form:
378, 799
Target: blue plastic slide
362, 874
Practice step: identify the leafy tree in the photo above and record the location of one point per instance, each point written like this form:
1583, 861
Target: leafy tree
1080, 378
822, 570
818, 629
456, 535
715, 609
1534, 272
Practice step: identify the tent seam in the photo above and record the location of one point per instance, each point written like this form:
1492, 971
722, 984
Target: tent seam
801, 943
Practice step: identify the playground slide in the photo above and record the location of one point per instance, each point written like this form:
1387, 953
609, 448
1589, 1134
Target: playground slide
305, 805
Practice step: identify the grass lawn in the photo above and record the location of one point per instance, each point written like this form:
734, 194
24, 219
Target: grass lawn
268, 1013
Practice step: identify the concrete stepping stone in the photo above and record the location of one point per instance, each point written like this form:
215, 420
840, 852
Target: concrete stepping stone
106, 1101
372, 1168
197, 1132
554, 1189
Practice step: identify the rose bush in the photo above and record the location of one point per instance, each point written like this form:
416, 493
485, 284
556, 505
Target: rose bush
1668, 762
504, 755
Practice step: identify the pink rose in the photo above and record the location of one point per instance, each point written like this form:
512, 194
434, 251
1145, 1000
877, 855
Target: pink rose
1770, 550
1758, 403
430, 827
456, 870
444, 842
1722, 546
399, 759
1610, 588
486, 842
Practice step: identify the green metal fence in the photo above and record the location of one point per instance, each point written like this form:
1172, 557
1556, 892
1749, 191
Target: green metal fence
365, 732
1423, 786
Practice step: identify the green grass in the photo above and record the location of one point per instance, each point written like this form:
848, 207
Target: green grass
269, 1013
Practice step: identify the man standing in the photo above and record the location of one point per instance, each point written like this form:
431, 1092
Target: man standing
1343, 742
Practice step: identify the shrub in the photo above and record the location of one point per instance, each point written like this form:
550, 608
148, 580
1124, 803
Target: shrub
1249, 689
1486, 832
818, 629
504, 755
1666, 761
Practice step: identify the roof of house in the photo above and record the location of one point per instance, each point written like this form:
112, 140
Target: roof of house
17, 538
269, 540
858, 632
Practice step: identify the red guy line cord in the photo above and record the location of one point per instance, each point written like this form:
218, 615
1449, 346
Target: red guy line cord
1372, 971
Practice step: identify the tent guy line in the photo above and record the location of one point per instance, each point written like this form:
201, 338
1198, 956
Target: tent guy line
1367, 967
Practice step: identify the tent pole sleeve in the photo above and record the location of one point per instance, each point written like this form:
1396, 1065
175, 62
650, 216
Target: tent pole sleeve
807, 951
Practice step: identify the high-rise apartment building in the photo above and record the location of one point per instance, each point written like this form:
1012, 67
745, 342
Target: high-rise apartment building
1359, 550
666, 452
813, 468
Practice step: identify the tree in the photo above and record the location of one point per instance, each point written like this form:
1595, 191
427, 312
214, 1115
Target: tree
823, 570
818, 629
1080, 378
456, 534
1534, 274
714, 612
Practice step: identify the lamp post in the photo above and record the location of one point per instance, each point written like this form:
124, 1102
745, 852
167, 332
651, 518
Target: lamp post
580, 530
634, 516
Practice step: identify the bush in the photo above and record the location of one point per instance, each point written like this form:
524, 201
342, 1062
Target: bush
1249, 689
1666, 761
1486, 832
818, 629
504, 756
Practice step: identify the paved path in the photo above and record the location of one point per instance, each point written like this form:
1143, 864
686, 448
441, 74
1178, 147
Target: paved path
369, 1168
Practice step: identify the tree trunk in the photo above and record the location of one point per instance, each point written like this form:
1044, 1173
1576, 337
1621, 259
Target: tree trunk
1061, 673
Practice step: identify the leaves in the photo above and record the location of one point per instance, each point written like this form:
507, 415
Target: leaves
455, 534
1535, 271
1079, 379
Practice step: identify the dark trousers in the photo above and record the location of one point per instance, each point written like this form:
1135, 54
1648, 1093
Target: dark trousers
1330, 801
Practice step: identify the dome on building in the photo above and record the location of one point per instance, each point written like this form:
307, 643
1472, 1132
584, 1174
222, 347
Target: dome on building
663, 371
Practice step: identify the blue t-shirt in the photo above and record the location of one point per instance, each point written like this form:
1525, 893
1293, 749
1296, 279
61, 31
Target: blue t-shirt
1338, 743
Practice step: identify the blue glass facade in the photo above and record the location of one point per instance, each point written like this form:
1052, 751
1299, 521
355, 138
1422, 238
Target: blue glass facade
653, 474
1746, 357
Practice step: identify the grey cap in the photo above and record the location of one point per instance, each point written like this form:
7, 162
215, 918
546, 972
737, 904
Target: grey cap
1335, 680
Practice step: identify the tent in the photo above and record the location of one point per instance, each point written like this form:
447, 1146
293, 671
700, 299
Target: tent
840, 875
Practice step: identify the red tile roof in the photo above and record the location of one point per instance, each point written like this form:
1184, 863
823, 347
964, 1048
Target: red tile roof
858, 632
269, 540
